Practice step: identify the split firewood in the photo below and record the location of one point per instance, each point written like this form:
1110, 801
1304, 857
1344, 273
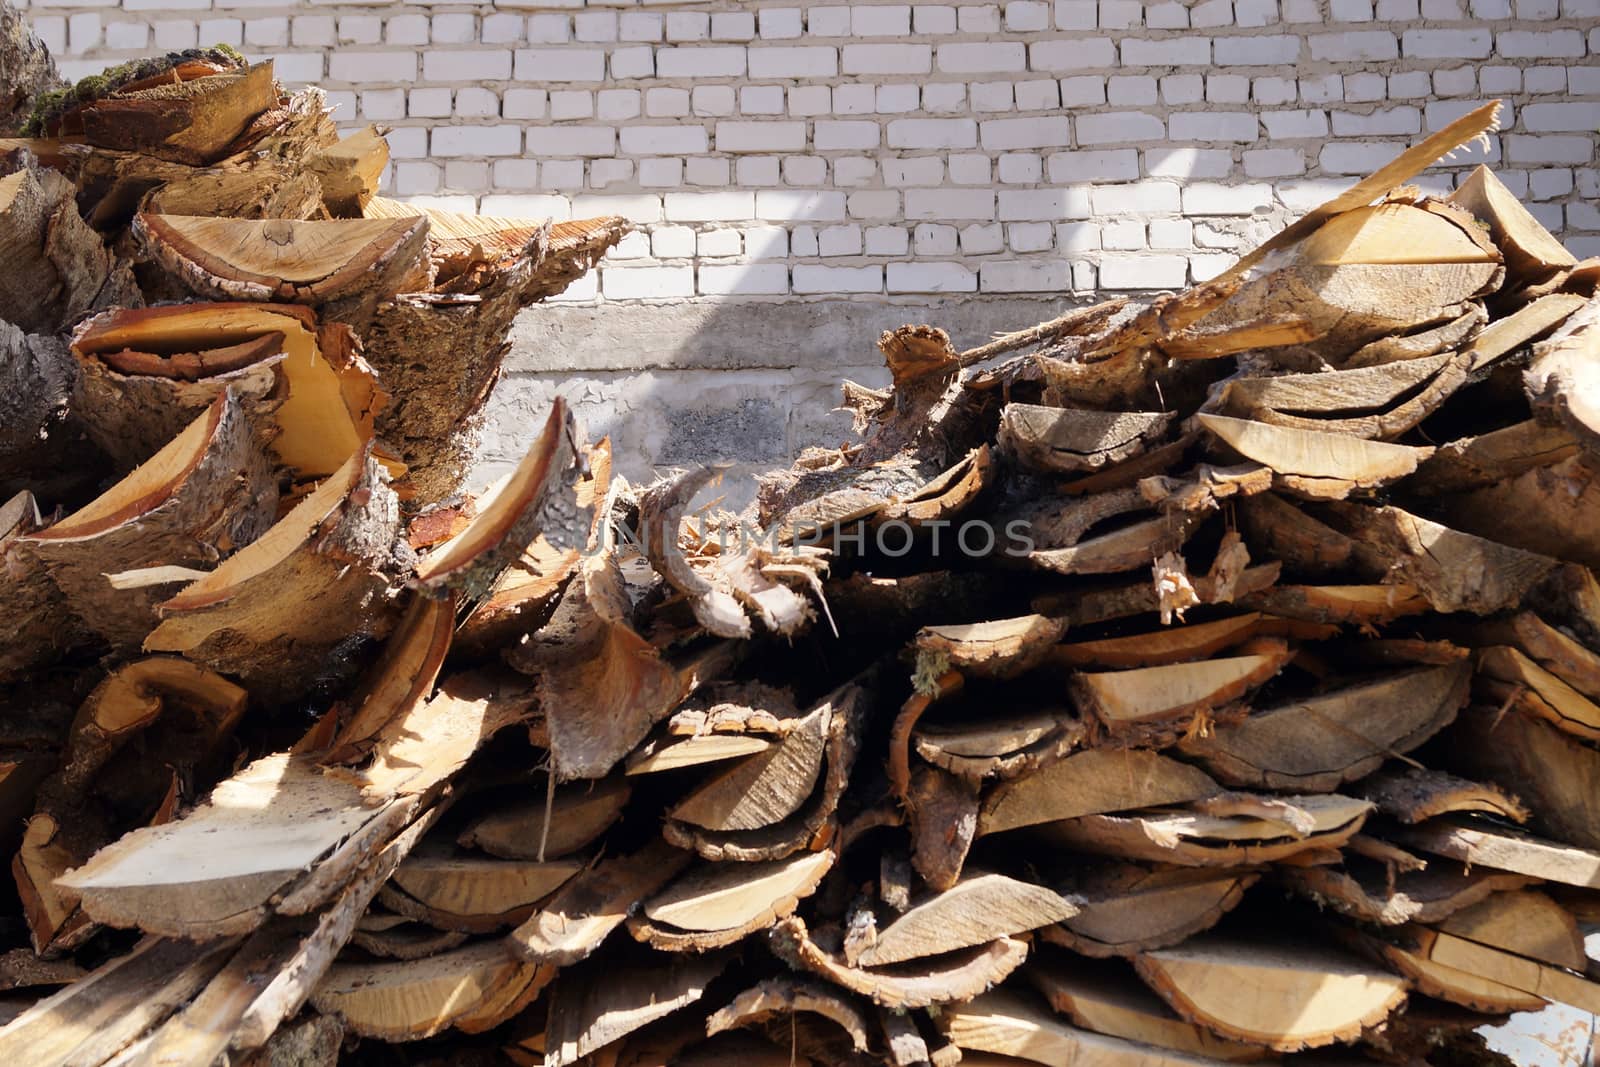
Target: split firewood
1493, 974
472, 894
1324, 741
537, 828
1125, 908
315, 583
1376, 893
1531, 253
1108, 999
1170, 701
1168, 645
1549, 646
717, 904
145, 374
1527, 923
1312, 463
37, 627
1260, 994
1479, 843
572, 924
759, 1005
58, 269
1092, 782
1410, 959
976, 910
1553, 772
596, 1006
1003, 747
1069, 440
43, 449
1416, 794
204, 493
999, 649
1017, 1030
348, 173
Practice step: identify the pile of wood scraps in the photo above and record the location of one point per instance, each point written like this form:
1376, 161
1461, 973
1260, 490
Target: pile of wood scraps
1209, 679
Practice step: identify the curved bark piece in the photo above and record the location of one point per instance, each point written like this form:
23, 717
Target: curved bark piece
1325, 741
473, 988
1216, 841
721, 903
403, 676
1014, 1030
484, 277
538, 499
1551, 647
1420, 344
579, 814
787, 996
1091, 782
1558, 775
36, 626
1108, 999
1473, 991
1311, 456
207, 490
958, 977
193, 121
660, 522
1456, 571
1526, 923
472, 894
338, 261
571, 925
1125, 908
1373, 605
1124, 549
57, 268
147, 373
194, 712
396, 937
1472, 465
1531, 253
1167, 701
978, 909
1506, 969
1514, 678
1006, 747
763, 789
294, 831
942, 814
1478, 843
317, 578
1416, 794
1003, 648
1338, 401
1170, 644
810, 826
594, 1007
1374, 893
1285, 999
1068, 440
251, 187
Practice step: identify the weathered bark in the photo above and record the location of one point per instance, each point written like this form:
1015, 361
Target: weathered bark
28, 70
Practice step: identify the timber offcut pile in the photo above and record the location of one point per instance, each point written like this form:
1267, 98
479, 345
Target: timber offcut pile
1213, 679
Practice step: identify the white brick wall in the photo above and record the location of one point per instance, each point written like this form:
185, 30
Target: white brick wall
791, 147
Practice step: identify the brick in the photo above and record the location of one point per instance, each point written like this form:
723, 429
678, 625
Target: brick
1078, 236
978, 18
729, 205
1025, 276
1253, 13
1288, 125
595, 26
888, 240
1140, 198
467, 65
760, 136
1144, 272
932, 239
781, 61
794, 204
887, 58
1395, 120
529, 206
918, 170
1560, 118
1183, 88
1350, 10
808, 278
1104, 165
733, 25
1260, 51
851, 171
1550, 184
1171, 233
570, 104
646, 283
660, 173
1030, 236
558, 64
981, 239
1447, 44
383, 104
1119, 127
615, 105
1018, 168
566, 140
931, 278
1026, 16
970, 168
641, 26
757, 170
855, 99
933, 18
893, 20
549, 29
364, 67
805, 170
608, 172
1227, 89
1131, 90
1528, 44
1274, 162
748, 279
1038, 132
1169, 52
874, 204
807, 100
1123, 235
516, 104
991, 96
1083, 91
836, 135
1072, 55
779, 23
828, 21
125, 35
688, 26
932, 133
981, 57
632, 246
1209, 13
839, 241
1523, 148
715, 61
1208, 198
765, 242
1353, 47
636, 62
664, 140
897, 99
950, 204
1545, 79
713, 100
1166, 15
1213, 126
1272, 92
1038, 95
1026, 205
1346, 158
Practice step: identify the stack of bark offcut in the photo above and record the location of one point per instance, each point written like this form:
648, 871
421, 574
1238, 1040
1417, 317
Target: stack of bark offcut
1208, 680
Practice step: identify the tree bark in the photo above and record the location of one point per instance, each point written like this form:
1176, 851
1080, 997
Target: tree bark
26, 70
